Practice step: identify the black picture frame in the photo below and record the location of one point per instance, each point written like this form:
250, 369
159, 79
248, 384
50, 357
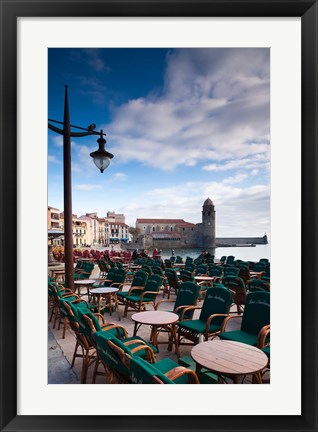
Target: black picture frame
10, 11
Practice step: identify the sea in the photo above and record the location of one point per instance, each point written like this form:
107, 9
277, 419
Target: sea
244, 253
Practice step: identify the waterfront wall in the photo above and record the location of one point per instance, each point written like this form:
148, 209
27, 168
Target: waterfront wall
194, 240
229, 241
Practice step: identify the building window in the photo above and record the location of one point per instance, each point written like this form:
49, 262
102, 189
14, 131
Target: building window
153, 228
171, 229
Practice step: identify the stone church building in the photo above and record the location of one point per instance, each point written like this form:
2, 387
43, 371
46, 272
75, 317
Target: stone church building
177, 233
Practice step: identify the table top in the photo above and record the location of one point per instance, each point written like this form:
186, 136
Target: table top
103, 290
179, 265
155, 317
203, 278
252, 273
229, 358
85, 282
56, 266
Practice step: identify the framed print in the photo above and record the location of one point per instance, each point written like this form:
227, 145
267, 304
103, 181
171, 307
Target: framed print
288, 31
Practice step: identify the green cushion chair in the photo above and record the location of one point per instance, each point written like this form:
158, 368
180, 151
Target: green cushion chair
173, 281
140, 296
139, 280
85, 271
256, 316
113, 354
215, 309
57, 291
163, 372
258, 285
188, 295
237, 286
75, 312
230, 271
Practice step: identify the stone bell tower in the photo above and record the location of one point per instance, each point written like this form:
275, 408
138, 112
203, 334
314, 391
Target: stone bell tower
208, 224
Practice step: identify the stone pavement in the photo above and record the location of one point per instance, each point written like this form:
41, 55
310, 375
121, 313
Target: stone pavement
59, 369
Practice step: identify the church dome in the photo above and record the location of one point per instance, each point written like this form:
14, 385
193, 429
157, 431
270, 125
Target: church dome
208, 201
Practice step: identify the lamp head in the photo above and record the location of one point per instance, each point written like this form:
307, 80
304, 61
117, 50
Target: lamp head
101, 157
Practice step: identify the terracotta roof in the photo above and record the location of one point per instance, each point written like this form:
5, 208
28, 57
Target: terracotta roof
118, 223
161, 221
185, 224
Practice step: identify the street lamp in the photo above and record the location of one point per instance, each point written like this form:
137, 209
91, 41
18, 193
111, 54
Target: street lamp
101, 159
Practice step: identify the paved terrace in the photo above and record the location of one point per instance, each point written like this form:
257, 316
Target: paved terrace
60, 351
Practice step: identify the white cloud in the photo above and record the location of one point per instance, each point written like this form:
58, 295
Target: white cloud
214, 107
87, 187
93, 58
119, 176
53, 159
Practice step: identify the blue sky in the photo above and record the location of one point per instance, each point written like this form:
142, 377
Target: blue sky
183, 125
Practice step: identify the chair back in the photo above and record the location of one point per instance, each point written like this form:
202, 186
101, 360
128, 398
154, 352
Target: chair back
147, 269
179, 259
111, 274
186, 276
237, 285
168, 263
259, 267
140, 278
257, 285
172, 279
217, 301
230, 271
88, 326
143, 372
153, 284
190, 267
113, 358
120, 276
230, 259
188, 295
257, 312
223, 259
188, 260
157, 270
79, 264
215, 271
201, 269
244, 273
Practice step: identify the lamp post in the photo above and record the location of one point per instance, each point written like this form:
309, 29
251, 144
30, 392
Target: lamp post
101, 159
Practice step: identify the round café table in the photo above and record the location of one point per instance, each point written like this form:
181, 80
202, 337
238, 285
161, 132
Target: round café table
203, 278
158, 320
256, 275
86, 283
110, 294
231, 359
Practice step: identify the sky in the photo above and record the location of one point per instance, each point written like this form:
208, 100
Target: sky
183, 125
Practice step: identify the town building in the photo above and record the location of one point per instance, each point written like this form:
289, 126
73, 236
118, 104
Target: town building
177, 233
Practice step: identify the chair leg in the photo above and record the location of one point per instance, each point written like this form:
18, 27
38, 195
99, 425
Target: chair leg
65, 327
85, 367
75, 353
95, 370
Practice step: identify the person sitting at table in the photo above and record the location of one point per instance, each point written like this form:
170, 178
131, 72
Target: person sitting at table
144, 253
155, 253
